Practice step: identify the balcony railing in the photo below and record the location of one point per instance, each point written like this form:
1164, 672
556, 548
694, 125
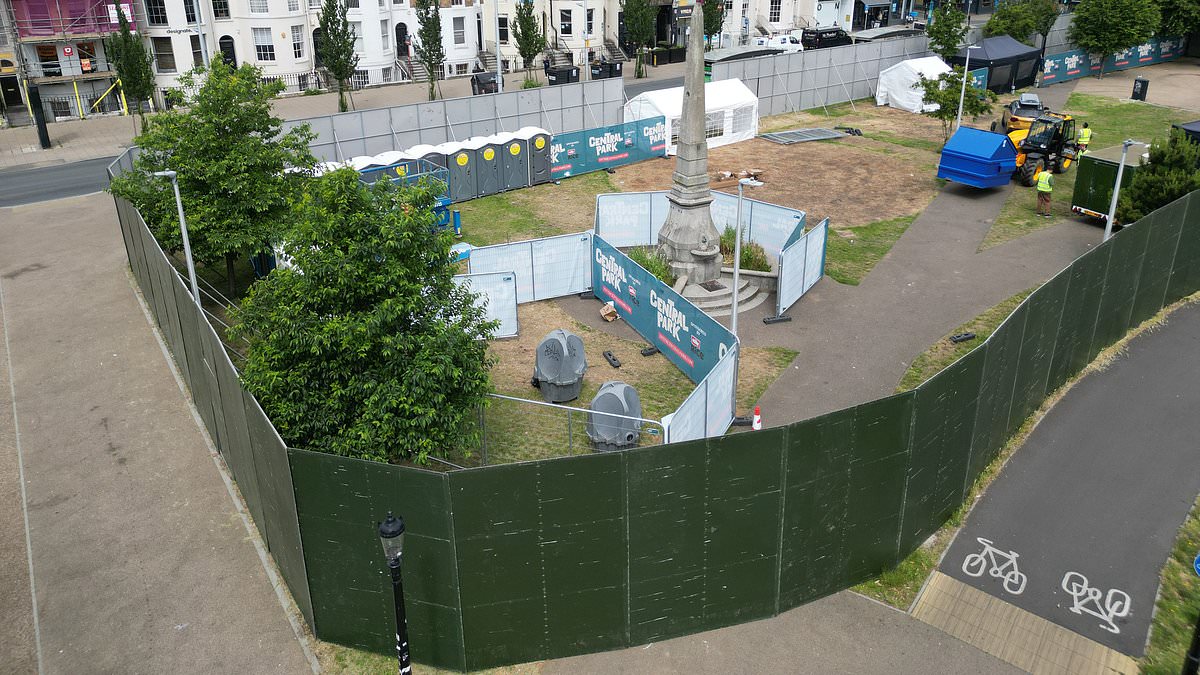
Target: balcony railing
38, 18
73, 67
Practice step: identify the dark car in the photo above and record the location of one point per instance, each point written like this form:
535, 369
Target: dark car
819, 38
484, 83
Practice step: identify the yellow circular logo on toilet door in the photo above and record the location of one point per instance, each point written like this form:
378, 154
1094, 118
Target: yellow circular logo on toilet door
514, 149
539, 142
489, 154
461, 159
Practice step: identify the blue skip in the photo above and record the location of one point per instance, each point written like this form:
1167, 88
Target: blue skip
978, 158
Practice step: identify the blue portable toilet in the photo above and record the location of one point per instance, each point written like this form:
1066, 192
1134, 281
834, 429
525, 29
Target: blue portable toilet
978, 158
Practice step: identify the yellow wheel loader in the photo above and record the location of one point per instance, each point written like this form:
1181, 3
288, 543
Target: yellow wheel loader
1047, 145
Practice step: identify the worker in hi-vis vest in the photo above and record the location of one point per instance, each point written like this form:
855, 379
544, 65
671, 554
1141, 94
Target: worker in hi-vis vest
1045, 186
1085, 137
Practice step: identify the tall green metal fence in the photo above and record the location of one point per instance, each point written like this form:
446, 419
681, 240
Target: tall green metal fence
547, 559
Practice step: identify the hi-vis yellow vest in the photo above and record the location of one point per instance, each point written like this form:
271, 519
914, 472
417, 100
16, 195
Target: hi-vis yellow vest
1045, 182
1085, 136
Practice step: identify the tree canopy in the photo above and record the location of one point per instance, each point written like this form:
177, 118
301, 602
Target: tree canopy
714, 18
946, 31
527, 34
1179, 17
945, 91
336, 48
1105, 27
132, 63
1013, 19
1173, 171
232, 162
366, 347
639, 27
430, 51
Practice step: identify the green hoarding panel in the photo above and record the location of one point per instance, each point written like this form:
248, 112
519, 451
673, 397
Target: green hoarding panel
1120, 287
123, 219
582, 543
996, 390
743, 495
1077, 325
139, 254
1043, 309
816, 505
876, 484
183, 306
1164, 226
943, 421
172, 333
213, 355
1185, 276
156, 281
667, 534
340, 502
237, 449
500, 563
193, 346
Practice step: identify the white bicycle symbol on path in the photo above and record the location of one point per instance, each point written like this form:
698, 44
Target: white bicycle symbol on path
999, 564
1087, 601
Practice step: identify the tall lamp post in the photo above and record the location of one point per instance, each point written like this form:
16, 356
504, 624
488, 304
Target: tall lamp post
737, 250
963, 94
1112, 206
187, 245
391, 535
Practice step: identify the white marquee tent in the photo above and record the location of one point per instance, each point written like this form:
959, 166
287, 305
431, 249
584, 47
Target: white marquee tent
896, 84
731, 112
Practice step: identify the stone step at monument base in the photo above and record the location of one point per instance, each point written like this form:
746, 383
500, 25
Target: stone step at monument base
718, 302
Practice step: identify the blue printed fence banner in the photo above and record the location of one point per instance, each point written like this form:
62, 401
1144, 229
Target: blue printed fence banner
691, 339
1078, 63
607, 147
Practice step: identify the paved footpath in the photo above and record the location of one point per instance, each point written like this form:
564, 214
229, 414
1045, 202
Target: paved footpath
1092, 503
140, 561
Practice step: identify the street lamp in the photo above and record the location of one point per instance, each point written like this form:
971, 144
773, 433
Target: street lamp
187, 245
737, 250
391, 535
963, 94
1112, 206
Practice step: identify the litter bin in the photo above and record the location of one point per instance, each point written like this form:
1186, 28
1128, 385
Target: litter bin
1140, 86
599, 70
614, 69
484, 83
562, 75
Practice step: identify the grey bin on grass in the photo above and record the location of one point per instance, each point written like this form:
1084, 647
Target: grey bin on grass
560, 365
607, 432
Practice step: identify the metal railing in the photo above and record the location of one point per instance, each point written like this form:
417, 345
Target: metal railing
69, 67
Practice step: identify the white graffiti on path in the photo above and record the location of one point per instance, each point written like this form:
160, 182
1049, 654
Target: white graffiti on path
999, 564
1087, 601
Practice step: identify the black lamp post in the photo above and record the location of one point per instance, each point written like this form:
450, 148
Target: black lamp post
391, 535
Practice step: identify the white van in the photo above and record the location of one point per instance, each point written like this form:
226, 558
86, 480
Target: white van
788, 43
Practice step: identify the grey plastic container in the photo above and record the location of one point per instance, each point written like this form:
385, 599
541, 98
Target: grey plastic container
559, 366
609, 433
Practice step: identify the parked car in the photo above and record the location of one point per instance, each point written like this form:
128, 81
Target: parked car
819, 38
788, 43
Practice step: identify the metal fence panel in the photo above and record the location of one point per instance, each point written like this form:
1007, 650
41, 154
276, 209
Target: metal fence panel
625, 219
1120, 286
1185, 275
562, 265
666, 512
1044, 307
1159, 258
996, 390
340, 502
721, 384
516, 258
1078, 322
687, 423
943, 423
498, 295
801, 266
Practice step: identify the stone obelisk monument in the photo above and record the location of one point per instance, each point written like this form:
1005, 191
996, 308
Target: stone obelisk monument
688, 238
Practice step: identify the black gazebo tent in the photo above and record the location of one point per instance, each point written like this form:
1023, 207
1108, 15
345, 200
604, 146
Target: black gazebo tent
1011, 65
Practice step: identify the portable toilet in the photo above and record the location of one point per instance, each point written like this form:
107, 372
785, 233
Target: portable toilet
516, 161
537, 143
430, 153
383, 166
978, 158
461, 171
489, 171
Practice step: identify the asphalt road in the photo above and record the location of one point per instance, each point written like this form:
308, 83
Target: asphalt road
1091, 504
634, 87
26, 186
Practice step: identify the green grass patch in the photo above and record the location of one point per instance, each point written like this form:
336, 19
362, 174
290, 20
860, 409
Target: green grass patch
906, 141
944, 352
1112, 121
849, 259
843, 109
1178, 603
529, 213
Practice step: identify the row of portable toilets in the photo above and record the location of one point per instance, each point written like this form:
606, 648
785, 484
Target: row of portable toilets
475, 167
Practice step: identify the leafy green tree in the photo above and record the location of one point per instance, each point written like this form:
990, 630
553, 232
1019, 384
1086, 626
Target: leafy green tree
132, 62
947, 30
1043, 14
336, 48
528, 36
639, 27
1179, 17
232, 161
944, 93
1105, 27
714, 18
430, 51
1172, 172
1013, 19
366, 347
